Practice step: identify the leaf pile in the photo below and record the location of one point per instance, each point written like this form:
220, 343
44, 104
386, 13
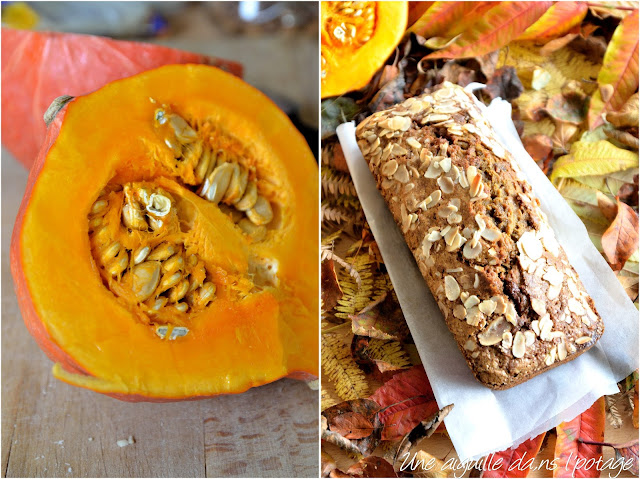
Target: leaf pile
570, 71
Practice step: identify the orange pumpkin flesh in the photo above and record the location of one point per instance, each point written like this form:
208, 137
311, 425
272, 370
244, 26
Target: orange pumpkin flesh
250, 333
356, 40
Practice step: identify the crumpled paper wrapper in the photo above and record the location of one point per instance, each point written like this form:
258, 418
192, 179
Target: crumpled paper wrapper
484, 420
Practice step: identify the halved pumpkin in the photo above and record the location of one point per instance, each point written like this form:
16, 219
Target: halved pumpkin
356, 40
166, 247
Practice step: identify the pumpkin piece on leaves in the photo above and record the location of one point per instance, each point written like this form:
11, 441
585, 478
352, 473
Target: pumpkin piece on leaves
166, 246
38, 67
356, 40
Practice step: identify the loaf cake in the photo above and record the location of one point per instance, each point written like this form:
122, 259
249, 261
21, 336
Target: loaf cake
509, 296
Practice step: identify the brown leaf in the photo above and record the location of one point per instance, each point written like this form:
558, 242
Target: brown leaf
406, 399
382, 319
627, 116
557, 44
453, 72
327, 464
623, 137
339, 161
608, 207
620, 240
331, 290
628, 193
366, 408
563, 136
423, 430
352, 425
388, 95
563, 109
592, 47
627, 452
389, 72
372, 466
534, 110
539, 146
504, 84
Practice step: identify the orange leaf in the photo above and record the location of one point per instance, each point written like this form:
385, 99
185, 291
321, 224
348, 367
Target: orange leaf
572, 457
556, 21
440, 16
514, 462
416, 10
620, 240
619, 70
499, 26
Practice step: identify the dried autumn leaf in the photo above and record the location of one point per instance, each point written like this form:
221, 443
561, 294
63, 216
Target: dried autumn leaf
514, 462
504, 84
593, 158
558, 20
423, 430
356, 421
635, 405
495, 29
623, 138
627, 452
627, 116
439, 17
372, 466
352, 425
416, 10
382, 319
331, 291
406, 399
620, 241
566, 110
538, 146
327, 464
619, 69
612, 9
569, 449
608, 207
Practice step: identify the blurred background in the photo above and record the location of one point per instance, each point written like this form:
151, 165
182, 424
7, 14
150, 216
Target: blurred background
276, 42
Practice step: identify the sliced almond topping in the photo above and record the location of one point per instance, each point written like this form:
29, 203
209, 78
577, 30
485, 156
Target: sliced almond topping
445, 211
493, 333
583, 339
446, 184
401, 174
531, 245
529, 338
482, 224
472, 172
507, 340
535, 325
488, 306
426, 246
471, 252
471, 301
554, 291
451, 288
470, 345
389, 168
450, 235
459, 311
445, 164
545, 327
476, 281
551, 357
491, 234
474, 316
539, 306
519, 345
510, 313
462, 179
476, 186
573, 287
575, 307
454, 218
553, 276
464, 296
434, 235
501, 305
562, 351
397, 150
413, 143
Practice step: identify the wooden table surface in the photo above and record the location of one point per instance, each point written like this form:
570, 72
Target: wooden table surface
51, 429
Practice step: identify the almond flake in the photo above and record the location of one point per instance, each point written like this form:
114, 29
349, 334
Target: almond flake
519, 345
451, 288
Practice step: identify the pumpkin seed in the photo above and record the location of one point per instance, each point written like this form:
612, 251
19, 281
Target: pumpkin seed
179, 291
162, 252
175, 263
99, 207
249, 198
169, 280
110, 252
217, 183
145, 278
261, 213
133, 218
141, 254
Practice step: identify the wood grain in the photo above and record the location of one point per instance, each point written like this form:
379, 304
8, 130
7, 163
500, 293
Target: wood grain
51, 429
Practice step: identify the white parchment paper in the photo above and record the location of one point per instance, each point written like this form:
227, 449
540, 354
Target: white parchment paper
484, 420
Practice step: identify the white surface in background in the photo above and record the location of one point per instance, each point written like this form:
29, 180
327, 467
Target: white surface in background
484, 420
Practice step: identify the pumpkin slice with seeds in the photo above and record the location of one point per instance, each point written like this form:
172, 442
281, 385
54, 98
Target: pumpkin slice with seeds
166, 247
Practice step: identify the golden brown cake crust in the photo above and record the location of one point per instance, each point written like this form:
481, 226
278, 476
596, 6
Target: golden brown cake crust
512, 301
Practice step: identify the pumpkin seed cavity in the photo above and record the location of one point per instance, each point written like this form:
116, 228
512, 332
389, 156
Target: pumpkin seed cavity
136, 237
348, 25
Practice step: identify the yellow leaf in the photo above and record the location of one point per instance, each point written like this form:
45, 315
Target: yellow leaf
559, 19
599, 158
337, 363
